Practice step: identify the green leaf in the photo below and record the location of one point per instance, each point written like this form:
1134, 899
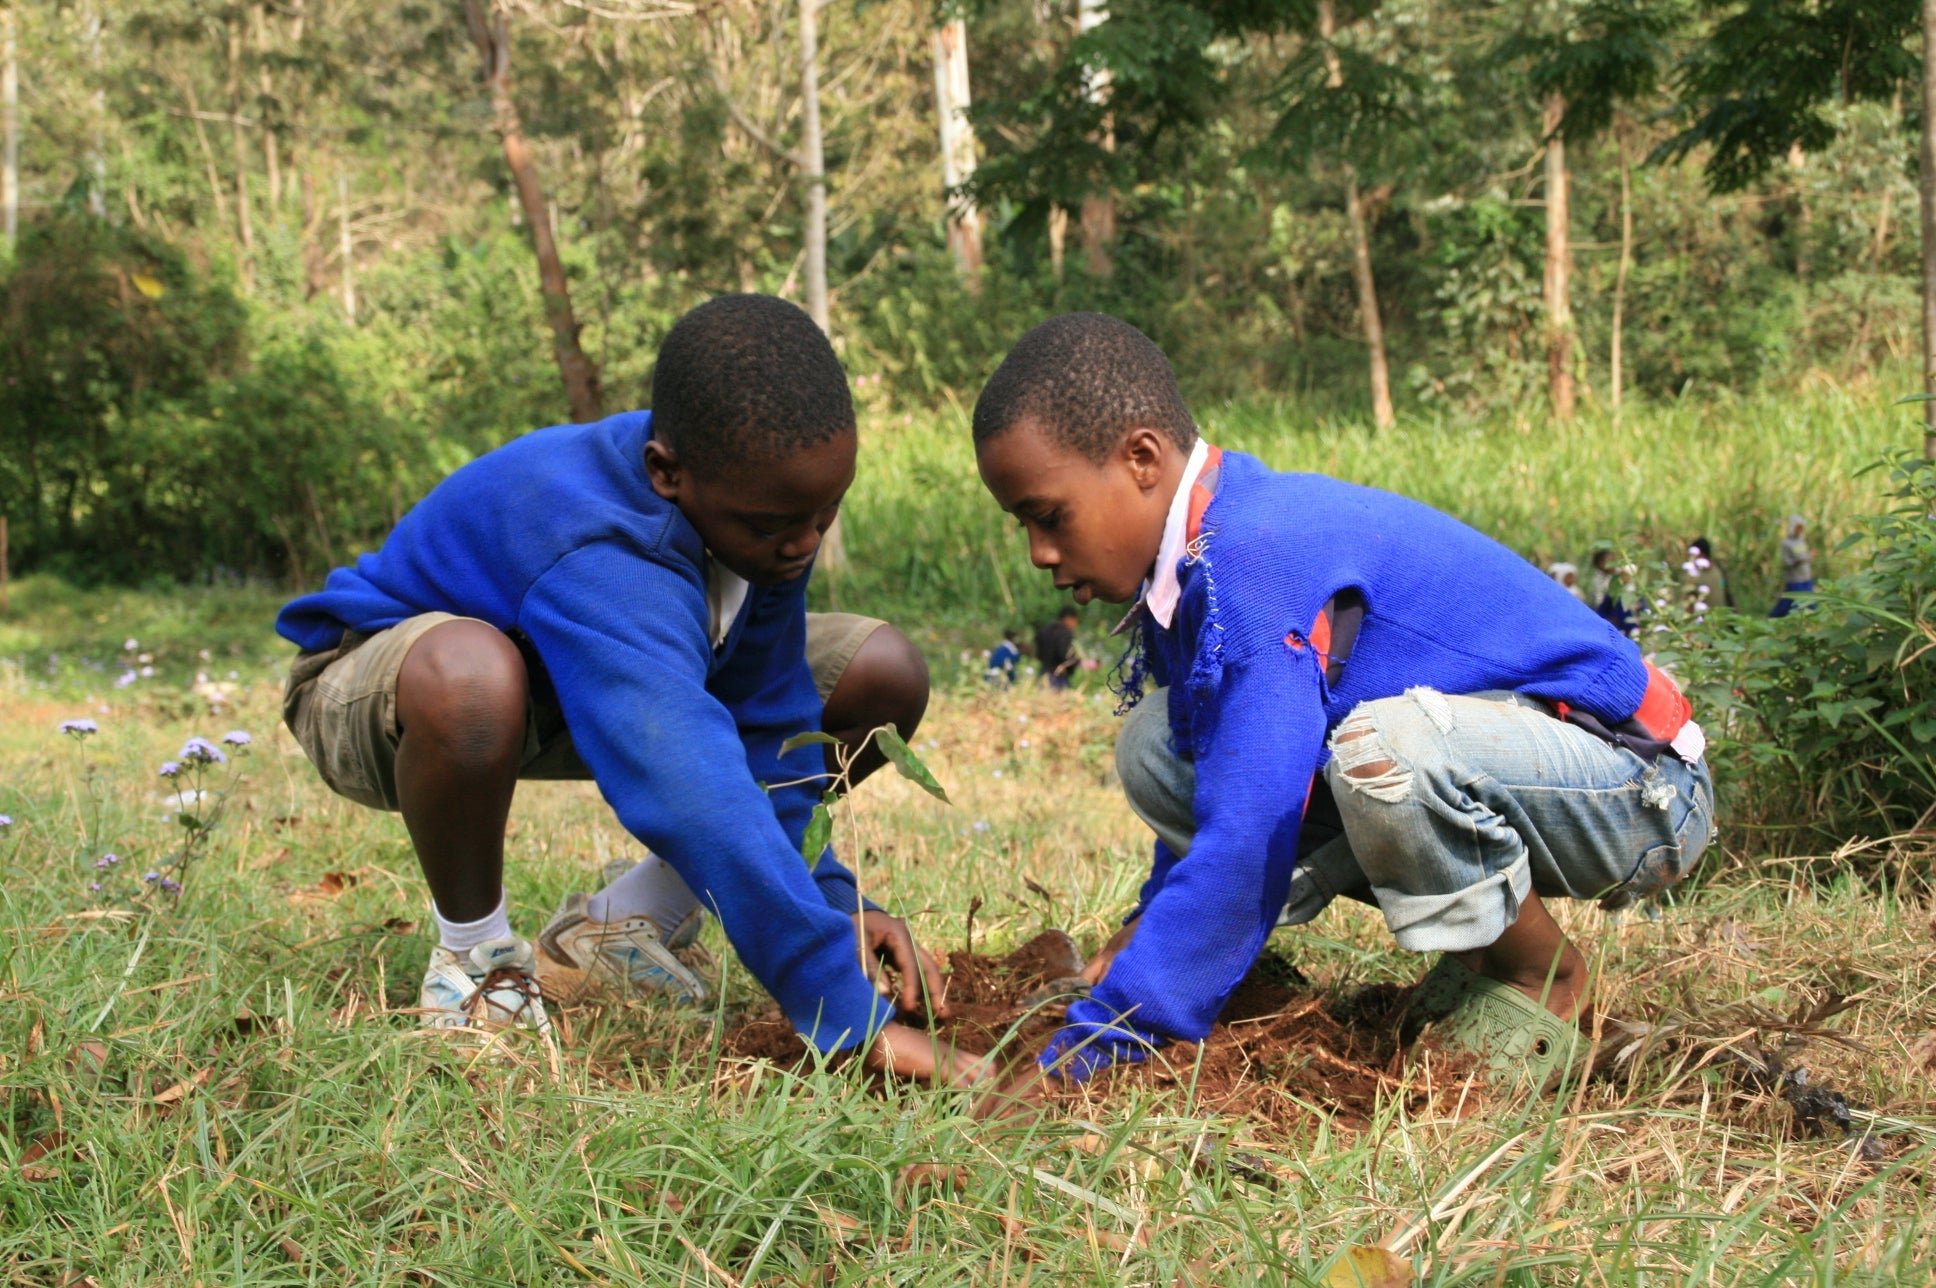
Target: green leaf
820, 831
807, 739
896, 749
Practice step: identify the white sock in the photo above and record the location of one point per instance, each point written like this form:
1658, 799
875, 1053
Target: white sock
462, 936
651, 889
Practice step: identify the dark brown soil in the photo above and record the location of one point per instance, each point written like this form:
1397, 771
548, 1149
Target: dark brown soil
1279, 1047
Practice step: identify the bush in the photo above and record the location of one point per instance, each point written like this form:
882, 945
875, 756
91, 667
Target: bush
1823, 723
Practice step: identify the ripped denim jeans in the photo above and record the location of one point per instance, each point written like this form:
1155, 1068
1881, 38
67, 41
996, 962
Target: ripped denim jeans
1445, 811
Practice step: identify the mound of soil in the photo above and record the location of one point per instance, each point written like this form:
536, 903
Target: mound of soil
1278, 1047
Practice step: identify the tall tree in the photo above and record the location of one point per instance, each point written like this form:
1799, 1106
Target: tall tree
1098, 205
949, 44
1354, 209
813, 164
492, 37
9, 126
1758, 86
1556, 289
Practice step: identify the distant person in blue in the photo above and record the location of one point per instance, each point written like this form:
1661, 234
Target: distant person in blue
625, 601
1338, 691
1003, 659
1603, 594
1797, 565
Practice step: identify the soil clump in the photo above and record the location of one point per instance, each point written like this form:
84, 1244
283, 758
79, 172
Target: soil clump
1279, 1048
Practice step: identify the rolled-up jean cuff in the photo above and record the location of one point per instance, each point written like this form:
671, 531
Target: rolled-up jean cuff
1463, 920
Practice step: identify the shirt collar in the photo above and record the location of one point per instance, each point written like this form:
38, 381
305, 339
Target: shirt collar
725, 596
1162, 591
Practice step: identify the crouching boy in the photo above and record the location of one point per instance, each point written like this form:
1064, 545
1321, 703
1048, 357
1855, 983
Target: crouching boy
1343, 692
625, 601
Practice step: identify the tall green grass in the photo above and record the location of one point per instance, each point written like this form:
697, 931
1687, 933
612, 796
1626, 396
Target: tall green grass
930, 549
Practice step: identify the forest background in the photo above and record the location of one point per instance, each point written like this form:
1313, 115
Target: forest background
269, 276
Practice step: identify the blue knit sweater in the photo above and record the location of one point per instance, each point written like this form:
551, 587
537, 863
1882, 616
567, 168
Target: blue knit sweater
1446, 607
559, 535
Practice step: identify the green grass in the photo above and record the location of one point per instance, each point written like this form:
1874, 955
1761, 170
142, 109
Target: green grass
148, 1137
320, 1140
931, 551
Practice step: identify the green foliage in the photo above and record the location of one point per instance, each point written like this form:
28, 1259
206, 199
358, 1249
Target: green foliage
1826, 721
1762, 80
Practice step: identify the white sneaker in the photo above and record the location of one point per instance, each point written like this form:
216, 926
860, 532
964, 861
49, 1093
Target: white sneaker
491, 988
573, 950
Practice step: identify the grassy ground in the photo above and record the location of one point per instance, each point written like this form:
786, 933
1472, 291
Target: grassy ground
218, 1089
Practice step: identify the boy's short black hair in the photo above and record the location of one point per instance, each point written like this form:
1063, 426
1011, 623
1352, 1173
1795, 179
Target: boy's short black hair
1085, 379
1069, 613
747, 378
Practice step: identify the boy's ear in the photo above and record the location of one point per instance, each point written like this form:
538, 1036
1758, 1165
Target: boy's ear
1146, 451
663, 468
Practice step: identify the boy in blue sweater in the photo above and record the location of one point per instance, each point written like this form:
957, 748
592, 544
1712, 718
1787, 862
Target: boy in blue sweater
625, 601
1342, 692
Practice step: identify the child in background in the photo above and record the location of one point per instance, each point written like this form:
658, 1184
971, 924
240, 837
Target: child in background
1568, 576
1797, 565
625, 601
1055, 648
1002, 660
1342, 692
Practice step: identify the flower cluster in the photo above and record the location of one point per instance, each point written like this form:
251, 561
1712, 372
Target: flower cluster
79, 729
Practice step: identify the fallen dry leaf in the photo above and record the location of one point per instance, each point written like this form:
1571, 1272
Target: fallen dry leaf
1369, 1267
88, 1058
940, 1176
31, 1168
182, 1088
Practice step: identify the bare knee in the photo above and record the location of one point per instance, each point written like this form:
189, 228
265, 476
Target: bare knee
1361, 757
463, 688
886, 682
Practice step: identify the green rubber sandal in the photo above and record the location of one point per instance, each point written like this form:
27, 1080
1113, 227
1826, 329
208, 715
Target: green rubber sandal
1513, 1038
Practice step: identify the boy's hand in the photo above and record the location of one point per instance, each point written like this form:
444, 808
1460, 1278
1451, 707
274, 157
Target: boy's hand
1099, 964
903, 1052
885, 938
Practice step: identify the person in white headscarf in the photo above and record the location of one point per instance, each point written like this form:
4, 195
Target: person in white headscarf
1568, 576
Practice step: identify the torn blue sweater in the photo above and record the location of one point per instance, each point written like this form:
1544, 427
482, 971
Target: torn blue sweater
560, 536
1446, 607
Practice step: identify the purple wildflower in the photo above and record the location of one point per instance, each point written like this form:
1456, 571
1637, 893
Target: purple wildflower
107, 860
201, 751
6, 820
94, 885
236, 738
169, 768
124, 679
151, 876
172, 887
79, 728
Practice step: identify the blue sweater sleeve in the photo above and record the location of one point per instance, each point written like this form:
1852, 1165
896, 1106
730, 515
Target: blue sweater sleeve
625, 643
768, 688
1206, 922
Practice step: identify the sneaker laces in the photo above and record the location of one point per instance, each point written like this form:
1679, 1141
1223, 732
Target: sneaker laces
515, 978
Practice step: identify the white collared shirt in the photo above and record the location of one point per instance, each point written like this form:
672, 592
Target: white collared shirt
1162, 592
725, 596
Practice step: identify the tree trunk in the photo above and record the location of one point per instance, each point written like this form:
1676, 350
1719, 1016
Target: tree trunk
951, 98
1615, 358
1098, 208
813, 164
580, 373
1361, 274
244, 227
208, 153
345, 248
271, 141
10, 128
1926, 188
1058, 239
1559, 308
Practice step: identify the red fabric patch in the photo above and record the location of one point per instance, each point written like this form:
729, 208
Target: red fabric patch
1201, 496
1663, 710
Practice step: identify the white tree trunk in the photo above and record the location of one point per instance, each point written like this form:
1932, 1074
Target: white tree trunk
9, 127
1098, 208
1559, 307
344, 246
1926, 188
813, 164
951, 100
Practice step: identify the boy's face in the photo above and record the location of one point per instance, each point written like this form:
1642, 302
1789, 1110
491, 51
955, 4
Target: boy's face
1094, 528
763, 521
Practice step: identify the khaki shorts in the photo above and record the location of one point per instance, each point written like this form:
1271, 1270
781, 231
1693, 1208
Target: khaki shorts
341, 704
